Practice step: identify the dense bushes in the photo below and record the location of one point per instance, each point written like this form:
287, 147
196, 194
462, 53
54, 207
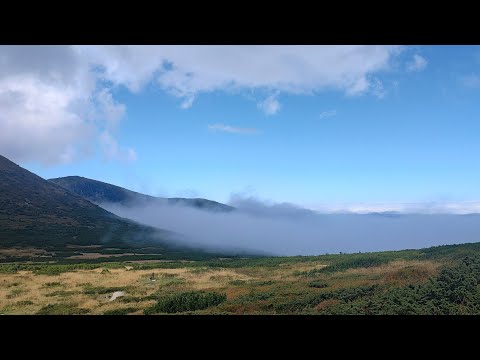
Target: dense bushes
188, 301
301, 303
454, 291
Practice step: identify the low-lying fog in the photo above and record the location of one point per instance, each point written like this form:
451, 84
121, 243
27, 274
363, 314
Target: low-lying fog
283, 229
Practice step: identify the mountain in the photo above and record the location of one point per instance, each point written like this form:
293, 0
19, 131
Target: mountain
39, 213
99, 192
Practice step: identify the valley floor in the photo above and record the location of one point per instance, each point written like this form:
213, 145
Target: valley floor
441, 280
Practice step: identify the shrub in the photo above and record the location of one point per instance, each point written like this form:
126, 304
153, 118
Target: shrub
188, 301
253, 296
24, 303
319, 284
15, 292
62, 293
52, 284
123, 311
61, 309
237, 282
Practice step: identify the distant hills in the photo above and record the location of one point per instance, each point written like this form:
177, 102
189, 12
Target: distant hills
38, 213
100, 192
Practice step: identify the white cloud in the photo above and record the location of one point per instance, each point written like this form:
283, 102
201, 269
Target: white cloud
55, 104
185, 71
232, 129
418, 63
36, 122
51, 110
327, 114
270, 106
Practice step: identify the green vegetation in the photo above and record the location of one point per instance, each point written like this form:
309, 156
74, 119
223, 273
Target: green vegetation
24, 303
15, 293
237, 282
62, 293
439, 280
319, 284
52, 284
254, 297
61, 309
36, 213
455, 291
122, 311
97, 191
188, 301
92, 290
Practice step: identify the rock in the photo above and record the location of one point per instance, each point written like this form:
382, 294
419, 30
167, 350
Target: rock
117, 294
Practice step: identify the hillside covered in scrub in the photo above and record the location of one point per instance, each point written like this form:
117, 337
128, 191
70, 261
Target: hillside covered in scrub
41, 216
440, 280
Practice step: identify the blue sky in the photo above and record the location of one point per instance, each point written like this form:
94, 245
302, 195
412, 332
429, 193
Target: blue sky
405, 129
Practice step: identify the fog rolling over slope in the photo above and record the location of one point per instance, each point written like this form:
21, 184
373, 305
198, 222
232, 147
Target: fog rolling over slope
284, 229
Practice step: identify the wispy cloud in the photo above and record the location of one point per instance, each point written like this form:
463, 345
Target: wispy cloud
432, 207
113, 151
270, 106
378, 89
233, 129
471, 81
418, 63
327, 114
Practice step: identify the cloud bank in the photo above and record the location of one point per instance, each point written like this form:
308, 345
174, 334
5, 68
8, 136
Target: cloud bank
285, 229
57, 102
432, 207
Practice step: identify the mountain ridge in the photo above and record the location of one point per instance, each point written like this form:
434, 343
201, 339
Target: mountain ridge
37, 212
98, 191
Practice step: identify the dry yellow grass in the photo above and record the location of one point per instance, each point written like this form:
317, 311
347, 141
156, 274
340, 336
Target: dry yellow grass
32, 288
393, 270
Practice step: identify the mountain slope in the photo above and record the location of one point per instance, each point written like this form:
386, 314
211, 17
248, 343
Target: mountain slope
98, 192
37, 212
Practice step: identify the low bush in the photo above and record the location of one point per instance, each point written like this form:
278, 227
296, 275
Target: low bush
123, 311
319, 284
188, 301
61, 309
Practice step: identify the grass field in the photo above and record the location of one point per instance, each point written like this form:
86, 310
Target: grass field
440, 280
